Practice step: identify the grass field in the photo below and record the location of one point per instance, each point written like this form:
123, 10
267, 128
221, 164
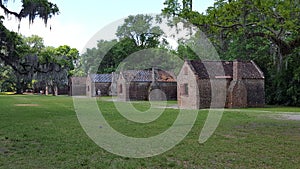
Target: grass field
44, 132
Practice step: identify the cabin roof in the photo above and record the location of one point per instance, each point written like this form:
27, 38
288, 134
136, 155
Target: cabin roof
101, 78
146, 75
224, 69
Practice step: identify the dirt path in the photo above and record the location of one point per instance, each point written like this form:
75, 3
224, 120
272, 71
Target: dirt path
273, 114
291, 116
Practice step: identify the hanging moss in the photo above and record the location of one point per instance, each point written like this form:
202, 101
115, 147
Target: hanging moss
33, 9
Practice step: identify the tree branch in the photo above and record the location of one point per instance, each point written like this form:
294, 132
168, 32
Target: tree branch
7, 11
295, 43
284, 47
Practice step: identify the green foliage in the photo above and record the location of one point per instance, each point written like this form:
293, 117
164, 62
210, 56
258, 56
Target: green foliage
185, 52
141, 29
137, 33
264, 31
286, 82
56, 65
5, 80
116, 55
21, 53
30, 59
92, 58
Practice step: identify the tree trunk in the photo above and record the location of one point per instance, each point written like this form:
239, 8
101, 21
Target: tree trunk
46, 90
19, 90
54, 90
19, 87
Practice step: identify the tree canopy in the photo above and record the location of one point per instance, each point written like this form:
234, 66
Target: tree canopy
274, 20
267, 31
141, 29
10, 42
138, 32
47, 66
22, 54
32, 9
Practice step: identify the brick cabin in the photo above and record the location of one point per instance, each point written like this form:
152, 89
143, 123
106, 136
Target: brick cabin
239, 83
98, 85
138, 84
77, 86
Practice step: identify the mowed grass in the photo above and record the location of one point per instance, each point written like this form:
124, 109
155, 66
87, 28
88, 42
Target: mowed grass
44, 132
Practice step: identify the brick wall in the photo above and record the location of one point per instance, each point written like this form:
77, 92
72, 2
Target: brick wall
77, 86
188, 100
237, 94
139, 90
204, 86
170, 89
104, 88
255, 92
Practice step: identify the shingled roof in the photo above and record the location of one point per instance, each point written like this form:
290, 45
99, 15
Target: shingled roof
101, 78
146, 75
224, 69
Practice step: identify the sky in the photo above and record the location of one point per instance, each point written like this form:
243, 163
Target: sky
80, 20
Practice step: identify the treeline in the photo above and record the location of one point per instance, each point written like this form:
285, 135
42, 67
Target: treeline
264, 31
31, 65
25, 61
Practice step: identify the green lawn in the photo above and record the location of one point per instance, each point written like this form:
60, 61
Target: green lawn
44, 132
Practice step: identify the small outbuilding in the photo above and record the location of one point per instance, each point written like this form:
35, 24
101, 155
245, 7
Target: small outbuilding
236, 84
150, 84
98, 85
77, 86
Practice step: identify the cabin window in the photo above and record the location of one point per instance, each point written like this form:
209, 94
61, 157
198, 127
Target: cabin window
184, 89
88, 88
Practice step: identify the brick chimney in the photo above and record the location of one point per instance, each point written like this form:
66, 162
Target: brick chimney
237, 70
153, 75
237, 91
